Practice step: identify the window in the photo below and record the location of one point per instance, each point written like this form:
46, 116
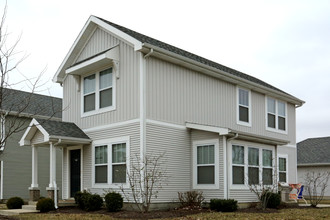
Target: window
243, 112
282, 168
257, 165
253, 165
238, 164
206, 164
101, 164
267, 167
110, 161
276, 114
98, 91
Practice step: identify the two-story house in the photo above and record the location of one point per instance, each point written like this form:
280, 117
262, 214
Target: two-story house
220, 129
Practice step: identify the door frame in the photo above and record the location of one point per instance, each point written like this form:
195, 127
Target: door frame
68, 177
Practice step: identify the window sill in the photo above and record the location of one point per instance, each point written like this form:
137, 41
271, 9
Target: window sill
112, 186
206, 186
247, 124
99, 111
276, 130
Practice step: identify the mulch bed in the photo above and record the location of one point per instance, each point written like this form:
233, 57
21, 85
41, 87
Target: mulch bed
181, 212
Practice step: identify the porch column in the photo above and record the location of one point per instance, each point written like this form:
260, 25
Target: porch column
52, 161
34, 189
52, 172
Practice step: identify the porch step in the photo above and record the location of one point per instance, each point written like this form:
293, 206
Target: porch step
67, 203
29, 207
32, 203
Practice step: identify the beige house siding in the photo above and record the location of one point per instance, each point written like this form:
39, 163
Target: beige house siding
177, 95
127, 86
291, 152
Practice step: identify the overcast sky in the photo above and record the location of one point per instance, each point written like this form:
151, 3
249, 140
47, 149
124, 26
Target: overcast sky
285, 43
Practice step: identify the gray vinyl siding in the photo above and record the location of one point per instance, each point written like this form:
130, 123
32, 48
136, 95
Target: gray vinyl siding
208, 194
37, 138
131, 130
127, 86
175, 144
17, 167
292, 161
177, 95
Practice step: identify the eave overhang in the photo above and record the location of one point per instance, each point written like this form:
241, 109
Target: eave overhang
96, 62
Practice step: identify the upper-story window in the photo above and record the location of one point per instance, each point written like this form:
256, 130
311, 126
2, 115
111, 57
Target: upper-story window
98, 94
276, 114
244, 107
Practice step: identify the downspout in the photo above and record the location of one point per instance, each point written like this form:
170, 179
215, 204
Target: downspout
148, 54
54, 183
226, 193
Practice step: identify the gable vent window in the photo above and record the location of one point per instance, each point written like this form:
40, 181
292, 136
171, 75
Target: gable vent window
244, 107
276, 114
98, 94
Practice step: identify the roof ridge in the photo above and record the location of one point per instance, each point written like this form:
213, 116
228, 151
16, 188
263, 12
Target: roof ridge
146, 39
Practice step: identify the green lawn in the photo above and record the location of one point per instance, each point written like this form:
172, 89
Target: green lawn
306, 213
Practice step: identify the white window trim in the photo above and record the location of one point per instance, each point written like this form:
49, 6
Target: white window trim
276, 116
214, 142
98, 110
249, 124
246, 145
278, 166
110, 142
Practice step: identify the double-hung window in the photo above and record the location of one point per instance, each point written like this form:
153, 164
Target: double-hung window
98, 92
111, 158
276, 114
238, 164
244, 109
282, 168
206, 164
253, 165
267, 167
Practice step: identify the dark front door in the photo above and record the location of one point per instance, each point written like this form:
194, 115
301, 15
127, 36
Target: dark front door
75, 171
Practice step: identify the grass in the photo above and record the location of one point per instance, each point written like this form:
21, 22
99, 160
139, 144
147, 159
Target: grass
306, 213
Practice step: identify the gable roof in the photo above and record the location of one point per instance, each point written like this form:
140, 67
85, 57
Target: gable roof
142, 42
30, 104
54, 131
314, 151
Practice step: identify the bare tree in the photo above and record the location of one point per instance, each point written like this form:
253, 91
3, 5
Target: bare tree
145, 179
13, 103
315, 184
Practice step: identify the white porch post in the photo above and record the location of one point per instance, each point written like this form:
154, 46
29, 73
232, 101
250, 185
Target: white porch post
34, 167
52, 161
34, 189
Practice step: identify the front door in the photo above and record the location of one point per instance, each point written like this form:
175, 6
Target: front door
74, 171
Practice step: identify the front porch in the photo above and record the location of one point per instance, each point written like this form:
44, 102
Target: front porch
55, 135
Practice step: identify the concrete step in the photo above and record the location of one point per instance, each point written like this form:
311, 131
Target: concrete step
66, 203
16, 211
32, 203
29, 207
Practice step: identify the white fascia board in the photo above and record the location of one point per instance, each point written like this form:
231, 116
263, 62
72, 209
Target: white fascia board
203, 68
70, 139
129, 39
219, 130
313, 164
30, 131
89, 27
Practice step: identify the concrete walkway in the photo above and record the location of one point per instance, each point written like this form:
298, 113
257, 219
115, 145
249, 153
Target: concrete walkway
318, 206
30, 208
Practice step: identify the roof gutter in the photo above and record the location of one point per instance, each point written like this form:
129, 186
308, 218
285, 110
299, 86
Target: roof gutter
313, 164
226, 76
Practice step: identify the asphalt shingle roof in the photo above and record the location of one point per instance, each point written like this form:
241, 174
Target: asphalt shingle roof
145, 39
30, 103
313, 151
63, 129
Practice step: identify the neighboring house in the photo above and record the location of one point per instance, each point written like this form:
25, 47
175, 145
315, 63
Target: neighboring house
220, 129
19, 107
313, 155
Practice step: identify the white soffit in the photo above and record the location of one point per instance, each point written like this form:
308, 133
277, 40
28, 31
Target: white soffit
219, 130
